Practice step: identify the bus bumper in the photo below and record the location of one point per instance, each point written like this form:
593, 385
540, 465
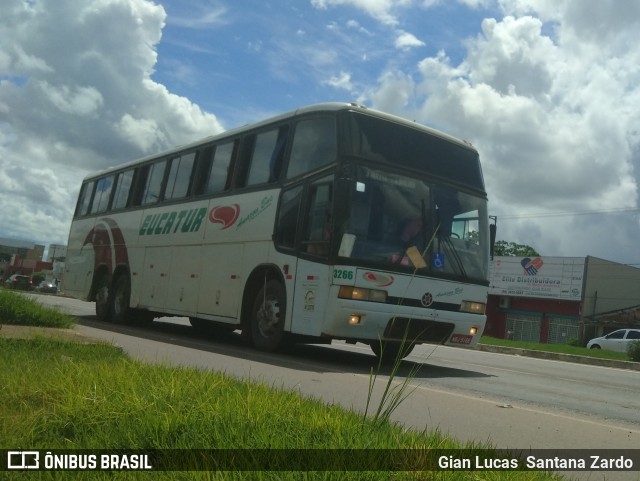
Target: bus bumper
367, 322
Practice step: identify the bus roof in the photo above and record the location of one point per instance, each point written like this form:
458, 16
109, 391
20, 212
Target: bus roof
309, 109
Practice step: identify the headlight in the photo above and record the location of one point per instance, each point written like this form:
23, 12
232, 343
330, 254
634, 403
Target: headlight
473, 307
362, 294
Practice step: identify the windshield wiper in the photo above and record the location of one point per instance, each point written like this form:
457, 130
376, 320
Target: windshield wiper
456, 257
446, 240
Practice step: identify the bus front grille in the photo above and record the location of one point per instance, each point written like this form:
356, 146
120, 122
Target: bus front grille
418, 330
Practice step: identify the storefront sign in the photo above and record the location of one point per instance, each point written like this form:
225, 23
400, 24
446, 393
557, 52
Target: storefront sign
544, 277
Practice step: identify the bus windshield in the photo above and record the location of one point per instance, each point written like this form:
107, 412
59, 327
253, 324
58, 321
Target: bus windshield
404, 223
406, 146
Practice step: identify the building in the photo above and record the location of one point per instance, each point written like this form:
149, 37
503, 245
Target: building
27, 250
56, 252
23, 257
557, 299
18, 257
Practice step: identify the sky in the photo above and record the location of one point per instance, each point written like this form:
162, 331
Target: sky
547, 90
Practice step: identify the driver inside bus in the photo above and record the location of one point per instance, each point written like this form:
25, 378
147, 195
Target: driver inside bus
319, 240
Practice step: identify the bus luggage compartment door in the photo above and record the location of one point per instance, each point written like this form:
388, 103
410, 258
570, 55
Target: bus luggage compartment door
310, 297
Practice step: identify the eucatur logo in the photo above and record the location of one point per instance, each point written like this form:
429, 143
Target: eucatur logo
381, 280
227, 215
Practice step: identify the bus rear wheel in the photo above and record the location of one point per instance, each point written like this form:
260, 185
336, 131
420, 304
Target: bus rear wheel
119, 302
102, 298
390, 351
267, 316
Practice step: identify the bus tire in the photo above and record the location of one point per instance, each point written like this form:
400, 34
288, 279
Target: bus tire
390, 351
267, 316
102, 298
119, 302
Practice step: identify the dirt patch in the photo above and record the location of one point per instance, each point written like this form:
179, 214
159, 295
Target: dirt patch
26, 332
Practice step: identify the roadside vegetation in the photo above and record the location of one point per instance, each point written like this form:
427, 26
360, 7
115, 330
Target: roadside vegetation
64, 395
556, 348
18, 309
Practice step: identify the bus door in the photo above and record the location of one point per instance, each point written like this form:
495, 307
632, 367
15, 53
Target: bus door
312, 270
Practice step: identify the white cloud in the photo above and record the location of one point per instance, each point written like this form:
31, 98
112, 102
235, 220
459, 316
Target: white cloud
355, 25
381, 10
406, 40
393, 93
80, 101
341, 81
205, 16
77, 95
555, 118
143, 133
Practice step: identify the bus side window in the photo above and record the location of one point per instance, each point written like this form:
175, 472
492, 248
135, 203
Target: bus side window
123, 187
102, 195
220, 173
286, 227
180, 176
84, 199
266, 157
314, 145
202, 169
153, 185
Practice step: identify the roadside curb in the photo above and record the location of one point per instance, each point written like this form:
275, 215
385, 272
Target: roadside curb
634, 366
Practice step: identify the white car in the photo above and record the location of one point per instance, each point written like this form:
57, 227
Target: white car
616, 340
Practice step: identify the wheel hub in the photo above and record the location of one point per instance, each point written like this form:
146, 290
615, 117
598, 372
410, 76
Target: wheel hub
268, 315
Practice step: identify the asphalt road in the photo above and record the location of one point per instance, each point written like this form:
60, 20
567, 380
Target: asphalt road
509, 401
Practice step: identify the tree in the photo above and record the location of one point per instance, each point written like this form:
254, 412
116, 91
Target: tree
504, 248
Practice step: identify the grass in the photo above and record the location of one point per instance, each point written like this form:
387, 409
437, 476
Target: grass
556, 348
63, 395
18, 309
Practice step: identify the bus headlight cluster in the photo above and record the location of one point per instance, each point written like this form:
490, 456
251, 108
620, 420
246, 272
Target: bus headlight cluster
362, 294
473, 307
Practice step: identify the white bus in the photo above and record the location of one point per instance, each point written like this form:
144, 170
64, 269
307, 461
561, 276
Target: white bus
330, 222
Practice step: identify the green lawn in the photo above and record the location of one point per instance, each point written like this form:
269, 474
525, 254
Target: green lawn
557, 348
65, 395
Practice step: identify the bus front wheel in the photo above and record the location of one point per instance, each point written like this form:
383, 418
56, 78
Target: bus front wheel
267, 316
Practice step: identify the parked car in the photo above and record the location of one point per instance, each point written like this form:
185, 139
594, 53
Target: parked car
616, 340
19, 281
47, 286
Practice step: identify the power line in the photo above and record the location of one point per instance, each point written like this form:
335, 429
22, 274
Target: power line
565, 214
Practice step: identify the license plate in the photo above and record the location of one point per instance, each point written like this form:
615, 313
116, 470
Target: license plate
461, 339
